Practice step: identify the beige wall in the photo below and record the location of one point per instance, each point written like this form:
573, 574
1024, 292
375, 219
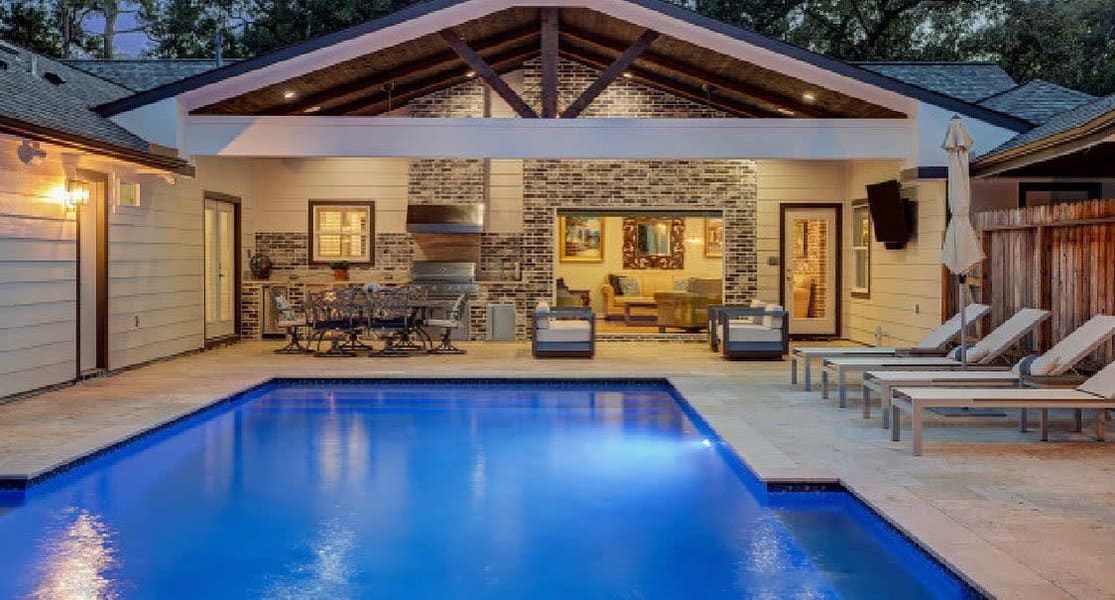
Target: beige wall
154, 271
590, 276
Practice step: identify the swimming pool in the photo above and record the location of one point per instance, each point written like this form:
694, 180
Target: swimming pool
420, 489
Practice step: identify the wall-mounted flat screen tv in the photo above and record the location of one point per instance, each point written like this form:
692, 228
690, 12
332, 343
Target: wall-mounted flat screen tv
890, 214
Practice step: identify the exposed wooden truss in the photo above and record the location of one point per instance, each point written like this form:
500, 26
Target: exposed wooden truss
614, 70
488, 75
550, 42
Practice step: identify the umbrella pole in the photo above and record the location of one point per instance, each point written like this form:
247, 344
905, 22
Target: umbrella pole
961, 280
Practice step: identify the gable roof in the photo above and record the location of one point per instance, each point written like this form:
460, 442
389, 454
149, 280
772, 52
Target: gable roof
967, 81
140, 75
1037, 101
662, 7
49, 101
1086, 124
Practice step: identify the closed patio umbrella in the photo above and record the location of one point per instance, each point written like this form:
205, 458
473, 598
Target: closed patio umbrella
961, 252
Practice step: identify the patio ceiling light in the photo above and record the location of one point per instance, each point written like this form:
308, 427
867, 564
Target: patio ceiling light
809, 97
627, 74
786, 111
288, 94
470, 74
312, 109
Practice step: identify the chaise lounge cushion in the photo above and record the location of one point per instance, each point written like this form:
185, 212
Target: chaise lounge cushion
750, 332
566, 330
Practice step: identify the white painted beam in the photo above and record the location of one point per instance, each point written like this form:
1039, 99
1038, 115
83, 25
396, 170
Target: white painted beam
309, 136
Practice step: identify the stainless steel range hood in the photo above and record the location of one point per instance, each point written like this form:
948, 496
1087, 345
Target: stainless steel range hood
445, 218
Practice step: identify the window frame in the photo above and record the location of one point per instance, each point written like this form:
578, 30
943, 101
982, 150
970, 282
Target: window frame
865, 292
311, 243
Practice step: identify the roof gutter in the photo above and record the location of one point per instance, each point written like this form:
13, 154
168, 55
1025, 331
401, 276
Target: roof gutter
1088, 134
170, 164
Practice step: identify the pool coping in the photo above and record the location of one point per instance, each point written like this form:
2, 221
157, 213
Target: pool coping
771, 484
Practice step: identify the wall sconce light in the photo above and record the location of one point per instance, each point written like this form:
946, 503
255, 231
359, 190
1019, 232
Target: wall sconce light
77, 194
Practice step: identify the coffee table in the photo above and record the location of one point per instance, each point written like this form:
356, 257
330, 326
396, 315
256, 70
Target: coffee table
627, 317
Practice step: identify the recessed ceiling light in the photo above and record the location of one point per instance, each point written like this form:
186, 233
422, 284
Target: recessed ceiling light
470, 74
786, 112
288, 94
312, 109
627, 74
809, 97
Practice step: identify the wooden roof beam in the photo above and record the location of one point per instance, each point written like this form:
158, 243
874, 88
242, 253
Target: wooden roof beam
614, 70
377, 102
669, 64
662, 84
488, 75
550, 33
435, 61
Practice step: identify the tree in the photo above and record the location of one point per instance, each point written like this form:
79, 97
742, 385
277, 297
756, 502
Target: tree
272, 24
188, 28
28, 23
110, 12
1070, 43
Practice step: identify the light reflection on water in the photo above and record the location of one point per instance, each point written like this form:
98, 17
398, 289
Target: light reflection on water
77, 558
328, 572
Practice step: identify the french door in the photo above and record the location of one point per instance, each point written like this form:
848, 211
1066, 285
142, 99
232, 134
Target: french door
221, 267
92, 276
810, 277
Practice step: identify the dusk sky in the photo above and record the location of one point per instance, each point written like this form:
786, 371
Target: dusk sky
130, 45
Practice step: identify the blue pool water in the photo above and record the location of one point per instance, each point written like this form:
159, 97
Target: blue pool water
426, 490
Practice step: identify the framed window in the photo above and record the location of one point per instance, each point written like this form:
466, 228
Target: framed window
128, 193
342, 230
1040, 193
861, 250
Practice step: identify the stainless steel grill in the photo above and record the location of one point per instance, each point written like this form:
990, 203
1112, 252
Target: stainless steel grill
443, 282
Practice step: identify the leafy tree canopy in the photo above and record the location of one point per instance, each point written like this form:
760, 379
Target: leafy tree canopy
1070, 42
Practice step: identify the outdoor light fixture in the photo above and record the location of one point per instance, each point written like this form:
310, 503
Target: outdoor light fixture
627, 74
786, 111
77, 194
312, 109
809, 97
470, 74
288, 95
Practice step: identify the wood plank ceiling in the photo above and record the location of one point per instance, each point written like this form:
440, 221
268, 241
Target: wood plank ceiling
377, 83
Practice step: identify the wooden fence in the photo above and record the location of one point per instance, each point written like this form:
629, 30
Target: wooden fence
1060, 257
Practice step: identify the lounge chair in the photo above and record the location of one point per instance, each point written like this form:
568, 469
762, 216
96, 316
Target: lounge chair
563, 332
983, 354
1097, 392
1056, 362
714, 320
932, 344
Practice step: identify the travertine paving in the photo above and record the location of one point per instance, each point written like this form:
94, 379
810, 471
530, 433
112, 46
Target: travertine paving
1020, 518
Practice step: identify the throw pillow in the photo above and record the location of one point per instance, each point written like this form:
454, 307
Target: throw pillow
613, 280
629, 285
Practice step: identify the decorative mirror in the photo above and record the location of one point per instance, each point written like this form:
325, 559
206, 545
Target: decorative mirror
653, 243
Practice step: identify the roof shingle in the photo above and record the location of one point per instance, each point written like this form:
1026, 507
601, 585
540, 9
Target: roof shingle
1037, 101
144, 74
968, 81
1058, 124
66, 106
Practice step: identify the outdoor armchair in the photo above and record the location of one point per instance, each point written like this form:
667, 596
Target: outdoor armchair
759, 332
563, 332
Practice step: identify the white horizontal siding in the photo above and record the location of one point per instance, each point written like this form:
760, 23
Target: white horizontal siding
38, 275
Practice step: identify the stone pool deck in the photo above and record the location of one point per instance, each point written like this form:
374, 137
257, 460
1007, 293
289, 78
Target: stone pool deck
1020, 518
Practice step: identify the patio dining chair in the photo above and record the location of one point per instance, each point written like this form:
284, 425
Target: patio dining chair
289, 320
329, 317
388, 313
450, 322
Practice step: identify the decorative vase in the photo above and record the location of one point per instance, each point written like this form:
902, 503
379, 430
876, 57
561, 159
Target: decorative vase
260, 265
